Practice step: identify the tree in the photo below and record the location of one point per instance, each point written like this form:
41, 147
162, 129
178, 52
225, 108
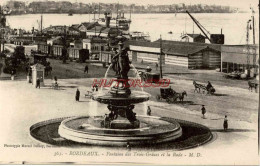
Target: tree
18, 56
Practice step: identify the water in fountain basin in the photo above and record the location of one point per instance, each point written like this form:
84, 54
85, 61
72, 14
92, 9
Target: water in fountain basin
106, 75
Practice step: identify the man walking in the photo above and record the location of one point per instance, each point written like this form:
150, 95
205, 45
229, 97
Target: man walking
38, 83
77, 95
225, 124
55, 79
86, 69
203, 111
149, 111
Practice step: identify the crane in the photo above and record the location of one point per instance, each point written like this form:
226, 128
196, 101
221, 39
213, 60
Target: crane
213, 38
199, 26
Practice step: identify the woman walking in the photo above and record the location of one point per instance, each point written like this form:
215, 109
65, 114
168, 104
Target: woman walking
77, 95
225, 124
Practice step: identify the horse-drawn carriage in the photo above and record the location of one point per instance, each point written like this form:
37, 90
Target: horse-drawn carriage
209, 88
170, 95
148, 76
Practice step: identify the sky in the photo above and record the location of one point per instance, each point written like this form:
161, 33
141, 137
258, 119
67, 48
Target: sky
241, 4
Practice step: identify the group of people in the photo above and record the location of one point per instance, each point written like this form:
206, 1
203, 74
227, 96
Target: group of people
225, 123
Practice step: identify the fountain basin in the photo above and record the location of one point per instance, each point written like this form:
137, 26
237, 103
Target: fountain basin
87, 130
134, 98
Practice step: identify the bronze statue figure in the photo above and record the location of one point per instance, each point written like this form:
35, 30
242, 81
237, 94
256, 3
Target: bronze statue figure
121, 63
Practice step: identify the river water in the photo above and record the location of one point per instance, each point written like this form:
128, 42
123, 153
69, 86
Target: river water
233, 24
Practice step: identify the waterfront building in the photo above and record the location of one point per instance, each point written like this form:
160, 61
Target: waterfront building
43, 48
85, 26
95, 46
76, 51
54, 41
95, 31
193, 38
185, 54
235, 58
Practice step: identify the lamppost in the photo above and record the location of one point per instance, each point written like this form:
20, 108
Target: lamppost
161, 75
248, 47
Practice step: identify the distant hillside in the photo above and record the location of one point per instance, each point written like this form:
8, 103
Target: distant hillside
19, 7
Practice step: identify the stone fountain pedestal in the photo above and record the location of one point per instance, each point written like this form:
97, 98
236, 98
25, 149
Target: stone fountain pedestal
87, 130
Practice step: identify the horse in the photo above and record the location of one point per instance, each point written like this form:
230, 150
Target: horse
181, 95
198, 86
252, 85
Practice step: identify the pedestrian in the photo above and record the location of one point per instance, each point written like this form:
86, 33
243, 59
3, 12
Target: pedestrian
203, 111
77, 95
128, 147
225, 124
96, 88
156, 66
55, 79
86, 69
149, 111
38, 83
12, 74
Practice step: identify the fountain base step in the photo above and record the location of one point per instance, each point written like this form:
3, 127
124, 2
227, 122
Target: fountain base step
152, 130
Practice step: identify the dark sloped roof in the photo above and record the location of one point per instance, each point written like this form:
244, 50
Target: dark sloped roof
216, 47
143, 43
97, 29
175, 48
75, 25
90, 25
195, 35
73, 29
105, 30
183, 50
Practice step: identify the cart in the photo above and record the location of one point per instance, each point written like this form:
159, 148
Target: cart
149, 77
168, 94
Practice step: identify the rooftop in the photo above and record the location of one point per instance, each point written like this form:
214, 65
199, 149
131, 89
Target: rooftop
195, 35
176, 48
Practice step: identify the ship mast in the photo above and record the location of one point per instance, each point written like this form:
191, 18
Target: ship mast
254, 51
117, 19
41, 24
95, 18
98, 10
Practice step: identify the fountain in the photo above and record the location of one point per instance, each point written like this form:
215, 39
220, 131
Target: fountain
121, 126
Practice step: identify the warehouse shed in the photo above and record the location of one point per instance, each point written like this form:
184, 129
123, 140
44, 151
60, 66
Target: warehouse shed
238, 57
190, 55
